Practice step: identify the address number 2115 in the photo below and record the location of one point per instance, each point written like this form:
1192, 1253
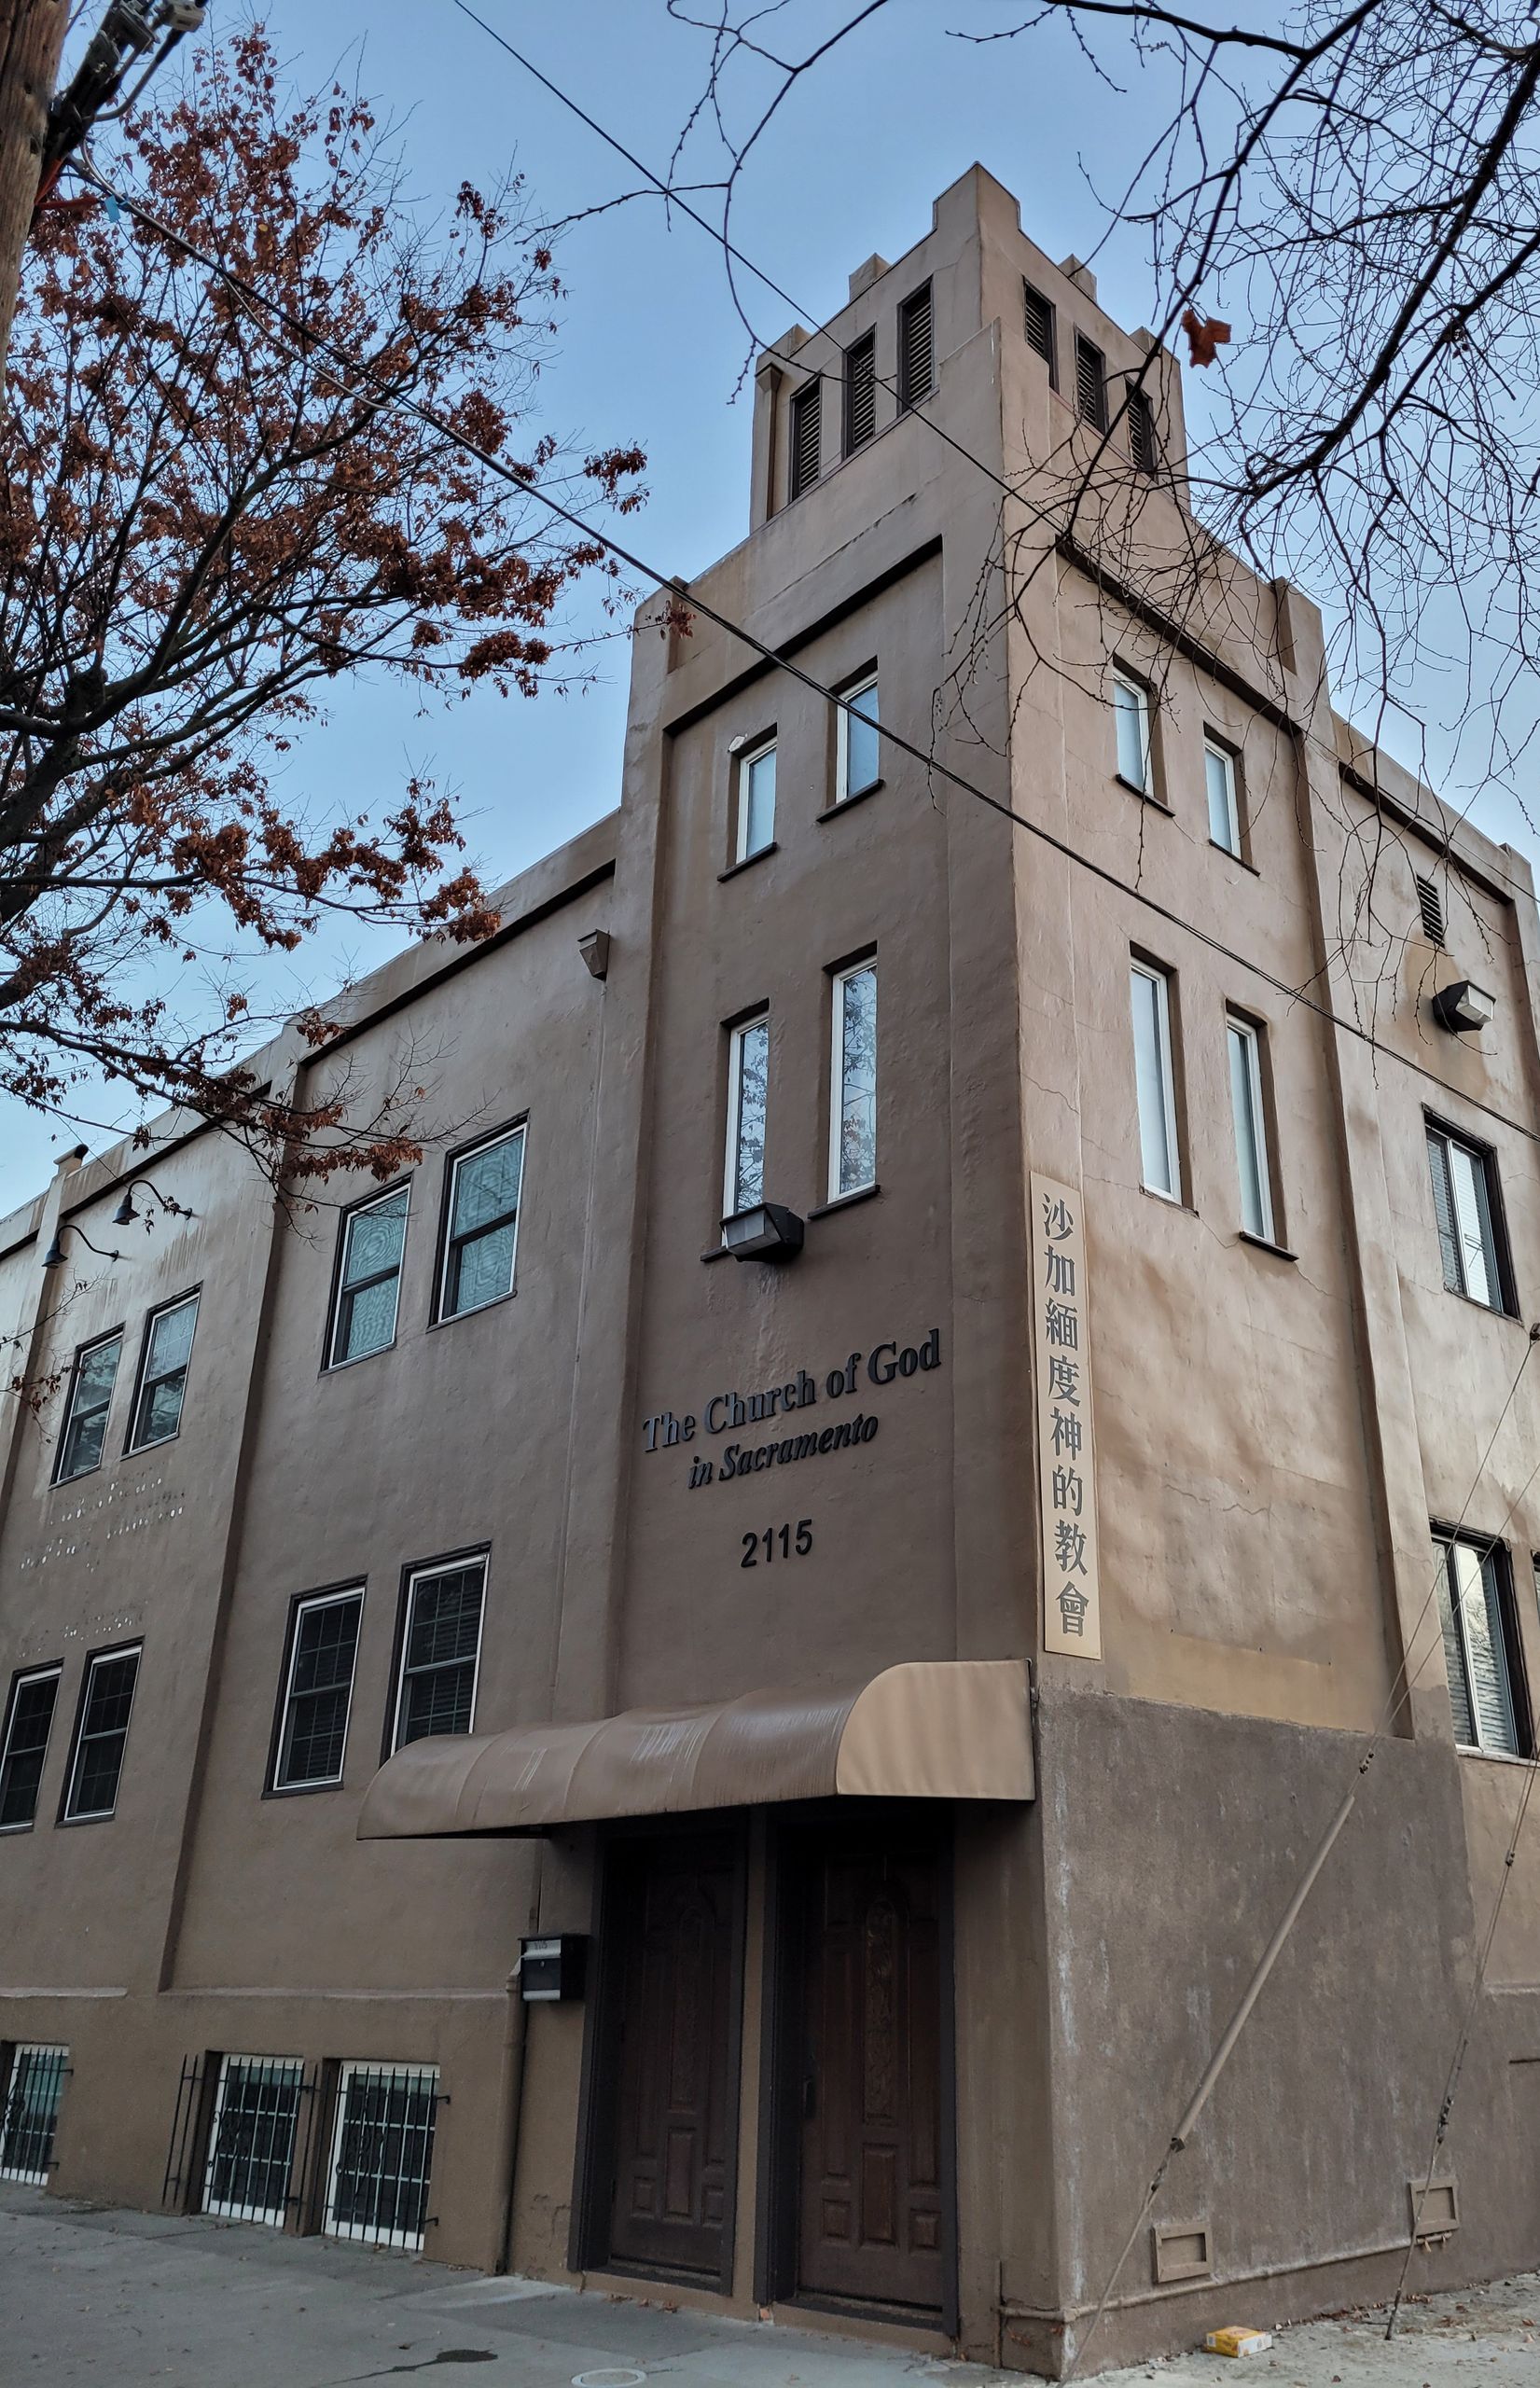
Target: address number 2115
787, 1542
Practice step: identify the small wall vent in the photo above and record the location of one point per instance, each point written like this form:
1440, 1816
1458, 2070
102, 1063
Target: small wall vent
1180, 2251
1430, 904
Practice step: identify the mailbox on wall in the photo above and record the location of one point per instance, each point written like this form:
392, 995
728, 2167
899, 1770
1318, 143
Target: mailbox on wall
552, 1966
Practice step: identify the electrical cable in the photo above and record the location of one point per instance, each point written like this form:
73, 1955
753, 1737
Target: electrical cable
313, 342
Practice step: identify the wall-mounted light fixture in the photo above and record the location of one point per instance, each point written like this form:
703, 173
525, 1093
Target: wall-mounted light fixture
595, 951
125, 1215
54, 1255
1464, 1008
768, 1232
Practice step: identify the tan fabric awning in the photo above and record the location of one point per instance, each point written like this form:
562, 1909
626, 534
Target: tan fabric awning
958, 1730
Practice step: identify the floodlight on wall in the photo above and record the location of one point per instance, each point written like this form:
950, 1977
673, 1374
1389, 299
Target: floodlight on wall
125, 1215
595, 951
768, 1232
1464, 1006
54, 1255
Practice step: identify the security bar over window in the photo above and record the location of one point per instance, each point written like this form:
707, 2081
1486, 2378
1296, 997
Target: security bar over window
381, 2158
163, 1373
33, 2089
440, 1649
852, 1127
483, 1224
29, 1721
748, 1080
251, 2142
91, 1398
368, 1283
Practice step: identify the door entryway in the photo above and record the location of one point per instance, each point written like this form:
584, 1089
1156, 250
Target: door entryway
672, 1910
864, 1973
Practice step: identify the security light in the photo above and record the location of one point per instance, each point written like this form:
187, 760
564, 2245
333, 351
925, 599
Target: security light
1464, 1006
768, 1232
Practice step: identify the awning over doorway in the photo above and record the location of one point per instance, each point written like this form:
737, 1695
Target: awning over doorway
940, 1730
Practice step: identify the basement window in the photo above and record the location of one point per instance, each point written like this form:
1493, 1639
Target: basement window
33, 2090
382, 2154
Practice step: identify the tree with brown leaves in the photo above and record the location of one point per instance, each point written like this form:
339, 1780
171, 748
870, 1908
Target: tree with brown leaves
220, 491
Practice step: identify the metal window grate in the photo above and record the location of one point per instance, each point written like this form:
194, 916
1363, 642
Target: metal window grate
35, 2087
253, 2137
1039, 323
916, 370
1090, 384
1430, 905
382, 2159
1142, 447
807, 409
860, 393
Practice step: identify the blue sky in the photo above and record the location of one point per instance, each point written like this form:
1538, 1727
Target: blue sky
649, 349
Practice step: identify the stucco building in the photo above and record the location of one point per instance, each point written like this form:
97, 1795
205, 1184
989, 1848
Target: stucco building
1128, 1354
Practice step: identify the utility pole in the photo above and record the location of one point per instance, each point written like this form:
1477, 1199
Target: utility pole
32, 39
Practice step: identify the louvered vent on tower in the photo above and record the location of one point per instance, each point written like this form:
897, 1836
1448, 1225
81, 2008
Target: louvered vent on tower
807, 409
1431, 905
860, 392
915, 369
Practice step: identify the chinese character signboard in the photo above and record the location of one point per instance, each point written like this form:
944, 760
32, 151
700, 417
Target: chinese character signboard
1066, 1467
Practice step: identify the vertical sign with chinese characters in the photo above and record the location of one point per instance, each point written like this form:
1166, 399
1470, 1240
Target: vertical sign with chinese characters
1066, 1465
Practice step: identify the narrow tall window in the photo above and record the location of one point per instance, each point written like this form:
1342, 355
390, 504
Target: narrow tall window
368, 1278
860, 393
857, 763
440, 1647
807, 409
1251, 1130
852, 1127
1159, 1165
29, 2116
86, 1414
1141, 443
1090, 384
106, 1702
163, 1373
748, 1080
1130, 706
29, 1721
1224, 810
1464, 1205
916, 366
382, 2154
1040, 330
251, 2139
483, 1224
312, 1736
756, 801
1476, 1609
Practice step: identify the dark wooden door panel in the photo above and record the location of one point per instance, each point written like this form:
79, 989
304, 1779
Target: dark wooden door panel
671, 1908
871, 2176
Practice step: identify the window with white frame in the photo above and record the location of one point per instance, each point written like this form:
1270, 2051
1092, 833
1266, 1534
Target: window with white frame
1224, 808
163, 1373
755, 796
251, 2136
748, 1083
313, 1735
857, 760
1131, 705
1465, 1207
1252, 1157
369, 1277
29, 1721
1480, 1646
84, 1432
101, 1735
853, 1123
440, 1651
1155, 1082
382, 2154
482, 1229
29, 2114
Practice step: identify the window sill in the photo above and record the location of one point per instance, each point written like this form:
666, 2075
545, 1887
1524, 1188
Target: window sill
1488, 1310
1492, 1757
162, 1442
71, 1821
455, 1318
1146, 795
748, 861
361, 1359
1230, 855
1266, 1243
844, 1202
856, 796
1171, 1201
300, 1790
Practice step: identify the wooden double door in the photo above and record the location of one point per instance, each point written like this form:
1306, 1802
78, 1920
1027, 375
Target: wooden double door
857, 2172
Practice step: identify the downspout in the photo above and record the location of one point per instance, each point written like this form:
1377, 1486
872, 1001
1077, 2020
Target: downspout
511, 2087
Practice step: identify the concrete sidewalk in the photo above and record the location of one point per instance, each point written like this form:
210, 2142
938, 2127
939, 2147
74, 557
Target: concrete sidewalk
119, 2300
